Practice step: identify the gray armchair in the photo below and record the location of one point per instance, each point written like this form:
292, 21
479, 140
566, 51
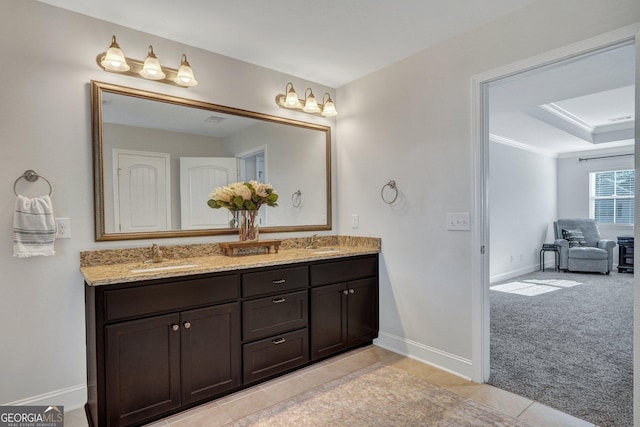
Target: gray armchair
581, 248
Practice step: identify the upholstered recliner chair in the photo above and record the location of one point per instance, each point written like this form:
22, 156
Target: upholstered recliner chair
581, 248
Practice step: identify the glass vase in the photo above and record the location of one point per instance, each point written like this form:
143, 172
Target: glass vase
249, 229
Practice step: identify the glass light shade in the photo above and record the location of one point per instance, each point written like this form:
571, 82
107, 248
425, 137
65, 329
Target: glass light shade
114, 59
292, 98
185, 75
311, 105
329, 109
151, 69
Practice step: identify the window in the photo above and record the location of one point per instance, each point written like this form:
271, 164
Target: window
611, 196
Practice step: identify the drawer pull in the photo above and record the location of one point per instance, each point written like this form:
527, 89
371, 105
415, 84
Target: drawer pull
278, 301
345, 292
278, 341
175, 327
187, 325
352, 291
278, 282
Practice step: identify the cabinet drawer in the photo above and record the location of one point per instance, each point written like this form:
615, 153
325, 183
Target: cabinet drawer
148, 299
342, 271
275, 314
274, 355
274, 281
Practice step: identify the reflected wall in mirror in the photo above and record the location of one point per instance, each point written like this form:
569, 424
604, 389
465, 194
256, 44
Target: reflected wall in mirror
158, 157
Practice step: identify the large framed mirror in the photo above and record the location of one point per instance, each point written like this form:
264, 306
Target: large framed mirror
158, 157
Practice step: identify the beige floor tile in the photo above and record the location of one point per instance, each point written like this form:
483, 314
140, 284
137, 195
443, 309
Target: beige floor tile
215, 416
354, 363
454, 383
191, 412
543, 416
76, 418
414, 367
322, 375
386, 357
248, 404
504, 401
283, 390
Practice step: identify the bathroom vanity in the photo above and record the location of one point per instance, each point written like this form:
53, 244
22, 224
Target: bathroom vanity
162, 341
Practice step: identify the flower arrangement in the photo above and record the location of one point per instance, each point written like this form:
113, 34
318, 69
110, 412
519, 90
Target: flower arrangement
243, 196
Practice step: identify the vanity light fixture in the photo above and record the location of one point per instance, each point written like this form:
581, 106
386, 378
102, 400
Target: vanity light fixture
113, 60
309, 105
151, 68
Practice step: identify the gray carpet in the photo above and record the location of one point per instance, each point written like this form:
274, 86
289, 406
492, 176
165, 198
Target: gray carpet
571, 349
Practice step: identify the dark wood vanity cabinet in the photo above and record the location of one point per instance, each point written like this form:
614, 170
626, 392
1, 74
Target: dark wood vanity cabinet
344, 305
156, 347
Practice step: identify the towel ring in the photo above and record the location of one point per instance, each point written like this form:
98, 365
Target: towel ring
392, 185
296, 199
31, 176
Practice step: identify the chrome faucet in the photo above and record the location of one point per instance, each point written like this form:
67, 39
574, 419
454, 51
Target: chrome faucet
313, 242
156, 254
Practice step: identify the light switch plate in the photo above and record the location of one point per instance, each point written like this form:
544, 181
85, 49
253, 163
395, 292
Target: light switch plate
458, 221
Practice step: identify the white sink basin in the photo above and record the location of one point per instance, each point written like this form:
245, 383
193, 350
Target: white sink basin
326, 251
165, 268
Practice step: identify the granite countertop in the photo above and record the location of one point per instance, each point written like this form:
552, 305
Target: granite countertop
127, 265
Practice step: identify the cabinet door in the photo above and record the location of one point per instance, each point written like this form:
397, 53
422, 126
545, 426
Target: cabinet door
143, 369
328, 320
210, 351
362, 317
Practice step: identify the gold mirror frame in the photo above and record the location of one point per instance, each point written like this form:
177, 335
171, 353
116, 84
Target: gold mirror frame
97, 89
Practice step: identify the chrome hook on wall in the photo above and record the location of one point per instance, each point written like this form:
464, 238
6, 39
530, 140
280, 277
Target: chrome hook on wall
393, 188
296, 199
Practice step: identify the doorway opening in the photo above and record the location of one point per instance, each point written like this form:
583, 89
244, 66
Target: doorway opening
486, 86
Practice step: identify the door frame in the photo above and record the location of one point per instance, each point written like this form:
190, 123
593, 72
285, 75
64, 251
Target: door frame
480, 249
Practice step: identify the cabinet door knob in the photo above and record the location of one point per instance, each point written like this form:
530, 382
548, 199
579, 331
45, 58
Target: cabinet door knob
175, 327
278, 301
278, 341
352, 291
187, 325
345, 292
278, 282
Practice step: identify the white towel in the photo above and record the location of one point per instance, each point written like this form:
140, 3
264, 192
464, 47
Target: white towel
34, 227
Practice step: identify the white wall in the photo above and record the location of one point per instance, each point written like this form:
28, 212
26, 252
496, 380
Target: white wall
45, 124
573, 188
522, 208
411, 122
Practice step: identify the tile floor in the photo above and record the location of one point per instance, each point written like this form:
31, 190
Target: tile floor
240, 404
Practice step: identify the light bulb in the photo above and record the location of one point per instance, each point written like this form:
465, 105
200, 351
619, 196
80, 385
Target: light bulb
185, 75
114, 59
152, 69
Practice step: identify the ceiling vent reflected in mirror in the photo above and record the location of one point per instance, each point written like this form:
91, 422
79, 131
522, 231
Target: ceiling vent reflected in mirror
214, 119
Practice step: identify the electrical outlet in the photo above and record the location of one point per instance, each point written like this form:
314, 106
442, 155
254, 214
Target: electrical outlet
64, 228
355, 221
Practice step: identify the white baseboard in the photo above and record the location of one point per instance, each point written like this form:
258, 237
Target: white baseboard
71, 398
519, 272
451, 363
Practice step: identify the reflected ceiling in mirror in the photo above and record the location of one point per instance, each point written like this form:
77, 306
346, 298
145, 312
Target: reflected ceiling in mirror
158, 157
